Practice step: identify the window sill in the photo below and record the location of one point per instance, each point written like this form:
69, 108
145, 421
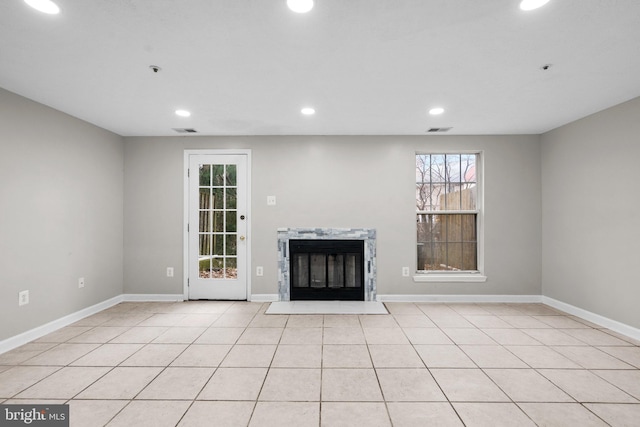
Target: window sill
450, 278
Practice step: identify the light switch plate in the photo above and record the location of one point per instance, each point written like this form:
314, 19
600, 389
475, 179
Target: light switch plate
271, 200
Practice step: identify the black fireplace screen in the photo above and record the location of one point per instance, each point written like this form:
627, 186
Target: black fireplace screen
327, 269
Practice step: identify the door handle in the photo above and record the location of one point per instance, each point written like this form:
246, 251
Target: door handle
242, 237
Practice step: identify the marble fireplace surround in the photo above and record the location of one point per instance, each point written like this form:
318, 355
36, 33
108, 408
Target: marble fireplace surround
368, 235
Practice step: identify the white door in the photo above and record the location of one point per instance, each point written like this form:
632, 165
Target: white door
217, 230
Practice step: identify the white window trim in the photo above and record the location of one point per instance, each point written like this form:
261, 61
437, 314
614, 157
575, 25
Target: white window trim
461, 276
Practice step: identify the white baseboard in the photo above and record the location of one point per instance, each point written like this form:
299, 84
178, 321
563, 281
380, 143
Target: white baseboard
47, 328
611, 324
462, 298
152, 297
265, 297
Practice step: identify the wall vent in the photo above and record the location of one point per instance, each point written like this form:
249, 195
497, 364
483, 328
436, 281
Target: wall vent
439, 129
185, 130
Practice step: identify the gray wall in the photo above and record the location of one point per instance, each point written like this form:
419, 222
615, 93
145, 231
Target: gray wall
329, 181
61, 214
591, 213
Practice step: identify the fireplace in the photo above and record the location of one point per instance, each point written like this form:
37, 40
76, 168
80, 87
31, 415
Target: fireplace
327, 270
321, 268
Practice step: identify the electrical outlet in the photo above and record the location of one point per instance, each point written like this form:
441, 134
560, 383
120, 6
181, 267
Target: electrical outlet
259, 271
169, 271
271, 200
23, 298
81, 282
405, 271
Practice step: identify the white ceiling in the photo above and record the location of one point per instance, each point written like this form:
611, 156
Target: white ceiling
247, 67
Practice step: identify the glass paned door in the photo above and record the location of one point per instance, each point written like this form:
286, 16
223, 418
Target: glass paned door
217, 227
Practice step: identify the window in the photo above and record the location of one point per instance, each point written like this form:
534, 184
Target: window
447, 213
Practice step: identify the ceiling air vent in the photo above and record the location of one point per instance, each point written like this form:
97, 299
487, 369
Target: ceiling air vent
185, 130
431, 130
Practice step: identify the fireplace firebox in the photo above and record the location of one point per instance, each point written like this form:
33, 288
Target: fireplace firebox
327, 269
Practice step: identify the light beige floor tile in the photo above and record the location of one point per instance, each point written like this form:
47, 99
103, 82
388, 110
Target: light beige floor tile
350, 385
468, 385
444, 356
64, 384
202, 355
219, 307
19, 378
234, 384
469, 336
120, 383
198, 320
155, 355
162, 319
306, 321
377, 321
235, 320
560, 322
414, 321
35, 401
409, 414
108, 355
409, 385
535, 309
488, 321
524, 322
220, 336
450, 321
385, 336
492, 356
249, 356
97, 319
298, 356
283, 384
93, 413
500, 309
625, 380
218, 414
261, 336
595, 337
302, 335
146, 413
542, 357
64, 334
139, 335
346, 356
630, 355
591, 358
468, 308
561, 415
402, 308
436, 309
395, 356
341, 414
585, 386
341, 321
244, 307
61, 355
177, 384
99, 334
24, 353
278, 414
127, 319
617, 415
511, 337
269, 321
179, 335
492, 415
527, 385
426, 336
343, 336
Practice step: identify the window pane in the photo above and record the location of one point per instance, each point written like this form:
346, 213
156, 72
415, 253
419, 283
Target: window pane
231, 221
231, 198
231, 175
446, 242
217, 175
205, 175
232, 242
218, 244
218, 201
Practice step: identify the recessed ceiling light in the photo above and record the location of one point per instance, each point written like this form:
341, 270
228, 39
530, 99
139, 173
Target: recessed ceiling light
183, 113
308, 111
532, 4
45, 6
300, 6
436, 111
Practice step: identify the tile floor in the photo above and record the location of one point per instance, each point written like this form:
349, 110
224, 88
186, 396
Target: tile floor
228, 364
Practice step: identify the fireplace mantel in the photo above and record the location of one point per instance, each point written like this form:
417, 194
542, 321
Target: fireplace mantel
368, 235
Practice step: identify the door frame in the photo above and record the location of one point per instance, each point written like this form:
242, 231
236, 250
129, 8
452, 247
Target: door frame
185, 228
